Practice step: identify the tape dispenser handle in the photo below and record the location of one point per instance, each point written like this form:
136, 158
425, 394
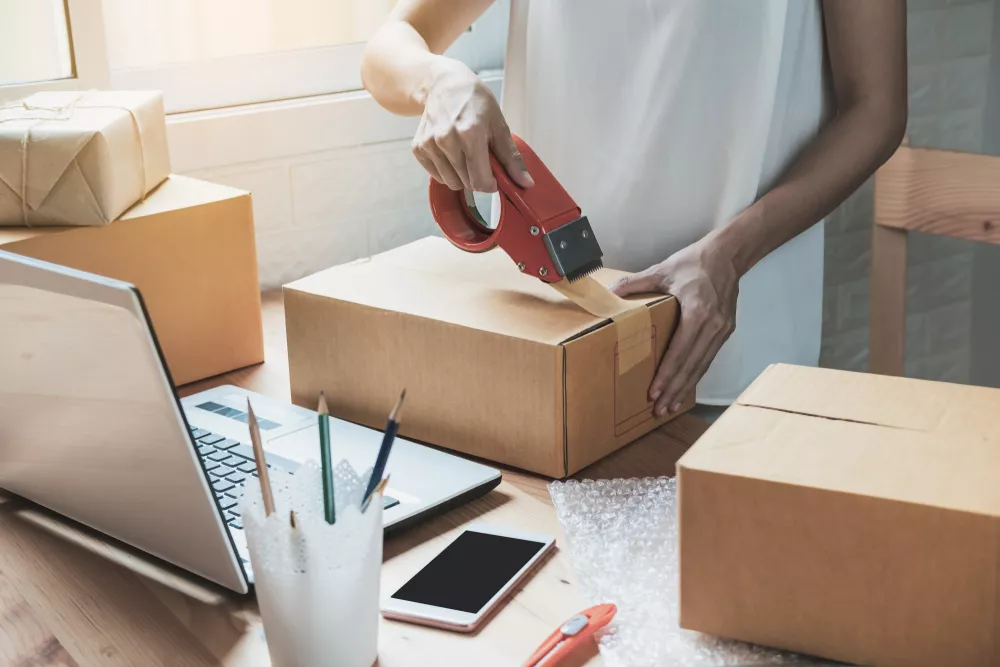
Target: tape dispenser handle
461, 223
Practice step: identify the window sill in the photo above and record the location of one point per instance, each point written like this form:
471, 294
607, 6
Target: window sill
252, 133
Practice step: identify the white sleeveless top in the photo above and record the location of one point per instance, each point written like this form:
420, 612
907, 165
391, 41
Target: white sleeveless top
664, 119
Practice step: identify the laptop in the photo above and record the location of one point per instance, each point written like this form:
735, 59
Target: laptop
91, 427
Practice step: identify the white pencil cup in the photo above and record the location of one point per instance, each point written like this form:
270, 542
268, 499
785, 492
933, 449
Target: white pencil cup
317, 583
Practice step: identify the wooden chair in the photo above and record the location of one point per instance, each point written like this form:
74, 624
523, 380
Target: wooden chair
924, 190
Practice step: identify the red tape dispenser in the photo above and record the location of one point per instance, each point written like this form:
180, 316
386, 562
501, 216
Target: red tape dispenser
541, 228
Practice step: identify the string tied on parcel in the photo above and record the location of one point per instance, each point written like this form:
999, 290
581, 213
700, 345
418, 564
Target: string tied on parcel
34, 181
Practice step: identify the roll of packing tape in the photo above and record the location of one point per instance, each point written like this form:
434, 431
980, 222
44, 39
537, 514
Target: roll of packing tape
631, 320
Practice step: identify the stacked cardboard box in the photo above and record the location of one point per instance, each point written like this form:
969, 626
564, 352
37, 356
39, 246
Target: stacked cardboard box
189, 248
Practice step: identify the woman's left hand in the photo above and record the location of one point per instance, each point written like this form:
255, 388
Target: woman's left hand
705, 282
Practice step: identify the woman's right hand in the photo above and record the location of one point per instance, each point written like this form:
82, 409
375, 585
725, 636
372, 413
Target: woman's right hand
460, 125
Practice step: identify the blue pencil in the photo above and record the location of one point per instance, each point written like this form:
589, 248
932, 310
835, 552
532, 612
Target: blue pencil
391, 428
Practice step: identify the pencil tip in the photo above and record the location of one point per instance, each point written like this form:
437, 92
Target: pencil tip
251, 417
322, 409
394, 415
291, 517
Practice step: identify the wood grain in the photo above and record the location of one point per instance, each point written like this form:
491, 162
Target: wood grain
71, 598
940, 192
887, 323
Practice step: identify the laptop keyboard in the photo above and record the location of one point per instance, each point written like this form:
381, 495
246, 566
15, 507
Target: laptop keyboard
229, 463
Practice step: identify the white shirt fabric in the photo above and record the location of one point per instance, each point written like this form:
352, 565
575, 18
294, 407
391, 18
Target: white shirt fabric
664, 119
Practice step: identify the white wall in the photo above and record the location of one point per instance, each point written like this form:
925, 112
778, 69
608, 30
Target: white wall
333, 179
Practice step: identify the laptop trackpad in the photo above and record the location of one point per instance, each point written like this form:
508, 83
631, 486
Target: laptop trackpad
303, 445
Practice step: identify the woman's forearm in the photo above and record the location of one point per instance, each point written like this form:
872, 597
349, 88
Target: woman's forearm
838, 161
866, 45
402, 60
398, 68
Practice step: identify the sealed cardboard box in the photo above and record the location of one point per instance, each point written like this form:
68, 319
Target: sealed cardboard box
189, 248
496, 363
80, 158
850, 516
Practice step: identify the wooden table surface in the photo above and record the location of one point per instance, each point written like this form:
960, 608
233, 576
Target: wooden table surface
69, 597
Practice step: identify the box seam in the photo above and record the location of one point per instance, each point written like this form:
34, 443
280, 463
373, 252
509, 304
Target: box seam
600, 325
830, 418
565, 416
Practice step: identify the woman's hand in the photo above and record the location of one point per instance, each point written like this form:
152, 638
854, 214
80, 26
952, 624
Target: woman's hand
460, 126
705, 282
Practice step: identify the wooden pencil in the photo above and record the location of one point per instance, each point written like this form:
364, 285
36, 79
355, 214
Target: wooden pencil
379, 491
391, 428
326, 461
258, 455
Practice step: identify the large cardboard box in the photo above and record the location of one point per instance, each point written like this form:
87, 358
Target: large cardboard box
189, 248
496, 363
850, 516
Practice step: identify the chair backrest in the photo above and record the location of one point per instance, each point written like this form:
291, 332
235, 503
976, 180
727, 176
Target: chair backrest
931, 191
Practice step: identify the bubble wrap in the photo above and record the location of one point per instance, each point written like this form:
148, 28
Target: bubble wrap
622, 544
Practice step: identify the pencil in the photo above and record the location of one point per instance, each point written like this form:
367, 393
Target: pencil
326, 460
258, 455
391, 428
291, 518
380, 490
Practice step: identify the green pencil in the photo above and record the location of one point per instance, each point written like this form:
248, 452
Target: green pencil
326, 460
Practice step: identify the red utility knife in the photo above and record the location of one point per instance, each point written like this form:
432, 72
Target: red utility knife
541, 228
571, 634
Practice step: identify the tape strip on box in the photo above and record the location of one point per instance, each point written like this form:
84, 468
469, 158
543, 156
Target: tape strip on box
632, 321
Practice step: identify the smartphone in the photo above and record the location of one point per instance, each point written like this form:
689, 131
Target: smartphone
469, 579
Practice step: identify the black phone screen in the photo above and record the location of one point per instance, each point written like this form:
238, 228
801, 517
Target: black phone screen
469, 572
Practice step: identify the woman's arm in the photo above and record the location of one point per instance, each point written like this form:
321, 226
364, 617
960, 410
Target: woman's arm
460, 120
866, 45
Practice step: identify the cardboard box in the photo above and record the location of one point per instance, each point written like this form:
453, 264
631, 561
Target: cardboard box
496, 363
850, 516
80, 158
190, 250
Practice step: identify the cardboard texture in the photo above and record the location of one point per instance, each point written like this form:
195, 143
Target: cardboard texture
71, 158
496, 364
854, 517
190, 250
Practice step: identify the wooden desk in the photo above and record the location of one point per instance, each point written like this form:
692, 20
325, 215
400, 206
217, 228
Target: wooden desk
68, 597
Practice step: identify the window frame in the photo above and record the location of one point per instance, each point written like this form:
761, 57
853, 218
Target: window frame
88, 53
242, 80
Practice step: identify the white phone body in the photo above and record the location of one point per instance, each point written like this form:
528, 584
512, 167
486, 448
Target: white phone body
469, 621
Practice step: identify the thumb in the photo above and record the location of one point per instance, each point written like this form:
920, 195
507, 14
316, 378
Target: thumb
636, 283
510, 158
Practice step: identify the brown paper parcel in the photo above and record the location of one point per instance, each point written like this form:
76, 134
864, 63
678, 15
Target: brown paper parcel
71, 158
496, 364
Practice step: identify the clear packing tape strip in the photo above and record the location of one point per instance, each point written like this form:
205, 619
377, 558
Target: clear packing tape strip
621, 536
632, 320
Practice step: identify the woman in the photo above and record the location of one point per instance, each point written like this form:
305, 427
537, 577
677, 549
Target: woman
703, 138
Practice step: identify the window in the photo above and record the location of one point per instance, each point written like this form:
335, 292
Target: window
206, 54
36, 46
50, 45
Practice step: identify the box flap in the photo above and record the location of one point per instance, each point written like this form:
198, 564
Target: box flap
877, 436
180, 192
431, 278
15, 234
870, 399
